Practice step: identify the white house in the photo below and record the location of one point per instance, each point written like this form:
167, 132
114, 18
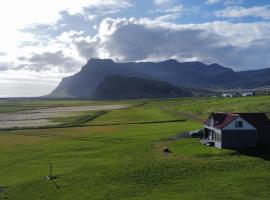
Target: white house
236, 130
247, 94
227, 95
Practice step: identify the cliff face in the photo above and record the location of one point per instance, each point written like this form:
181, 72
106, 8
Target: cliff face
188, 74
119, 87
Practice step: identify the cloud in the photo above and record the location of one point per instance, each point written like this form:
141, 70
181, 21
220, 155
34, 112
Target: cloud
241, 46
175, 9
233, 2
39, 22
48, 61
161, 2
212, 1
240, 12
225, 2
168, 10
2, 53
14, 83
32, 11
170, 13
237, 45
5, 66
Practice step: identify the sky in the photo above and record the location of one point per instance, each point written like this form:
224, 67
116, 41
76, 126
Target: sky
43, 41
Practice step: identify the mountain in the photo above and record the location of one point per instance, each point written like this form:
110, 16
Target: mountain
187, 75
120, 87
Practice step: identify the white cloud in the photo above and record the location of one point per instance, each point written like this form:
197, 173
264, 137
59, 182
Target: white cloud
14, 83
237, 45
241, 46
239, 12
2, 53
161, 2
16, 15
179, 8
169, 12
143, 39
33, 11
212, 1
225, 2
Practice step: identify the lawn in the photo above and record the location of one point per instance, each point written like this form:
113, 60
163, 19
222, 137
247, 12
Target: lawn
118, 156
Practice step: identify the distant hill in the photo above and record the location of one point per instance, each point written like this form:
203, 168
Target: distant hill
188, 75
119, 87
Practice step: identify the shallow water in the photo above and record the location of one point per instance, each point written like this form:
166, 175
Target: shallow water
27, 123
40, 117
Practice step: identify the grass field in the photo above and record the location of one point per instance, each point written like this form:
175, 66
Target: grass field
118, 155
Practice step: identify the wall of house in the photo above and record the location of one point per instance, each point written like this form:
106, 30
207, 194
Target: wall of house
218, 141
212, 128
238, 138
263, 135
246, 125
218, 145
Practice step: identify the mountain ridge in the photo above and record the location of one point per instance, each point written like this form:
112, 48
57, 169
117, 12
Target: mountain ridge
186, 74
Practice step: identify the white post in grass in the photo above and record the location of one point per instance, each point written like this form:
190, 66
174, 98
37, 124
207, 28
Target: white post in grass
50, 177
50, 171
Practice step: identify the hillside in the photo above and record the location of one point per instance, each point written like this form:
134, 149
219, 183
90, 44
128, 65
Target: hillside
119, 87
188, 74
118, 155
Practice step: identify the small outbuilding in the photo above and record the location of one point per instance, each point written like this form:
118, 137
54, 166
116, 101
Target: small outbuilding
236, 130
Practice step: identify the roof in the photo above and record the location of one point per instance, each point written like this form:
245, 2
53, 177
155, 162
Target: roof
220, 119
258, 120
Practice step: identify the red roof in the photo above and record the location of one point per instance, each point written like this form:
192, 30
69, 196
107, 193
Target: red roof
258, 120
220, 119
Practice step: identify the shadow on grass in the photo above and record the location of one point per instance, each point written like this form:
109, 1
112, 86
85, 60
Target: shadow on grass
179, 136
87, 119
55, 184
131, 123
109, 140
261, 151
2, 190
64, 137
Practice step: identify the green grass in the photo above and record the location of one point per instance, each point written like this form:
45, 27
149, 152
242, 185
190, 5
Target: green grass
78, 120
125, 161
134, 115
203, 106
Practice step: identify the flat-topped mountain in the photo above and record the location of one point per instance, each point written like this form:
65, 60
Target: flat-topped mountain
85, 83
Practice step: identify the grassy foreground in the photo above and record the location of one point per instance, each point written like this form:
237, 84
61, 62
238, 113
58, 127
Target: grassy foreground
118, 156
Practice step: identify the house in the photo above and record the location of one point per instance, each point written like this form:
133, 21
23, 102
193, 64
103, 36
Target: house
236, 130
227, 95
248, 94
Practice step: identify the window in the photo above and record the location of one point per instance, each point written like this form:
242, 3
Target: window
238, 124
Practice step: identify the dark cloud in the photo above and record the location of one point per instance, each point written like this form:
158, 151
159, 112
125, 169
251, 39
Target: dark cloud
240, 46
47, 61
87, 49
6, 66
136, 42
211, 42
